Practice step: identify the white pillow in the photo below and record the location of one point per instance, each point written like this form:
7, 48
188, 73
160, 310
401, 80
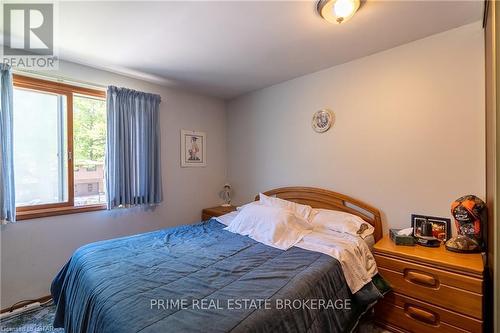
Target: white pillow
271, 226
253, 203
304, 211
342, 222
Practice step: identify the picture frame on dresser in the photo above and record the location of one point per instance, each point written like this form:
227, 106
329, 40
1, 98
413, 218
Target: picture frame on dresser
441, 226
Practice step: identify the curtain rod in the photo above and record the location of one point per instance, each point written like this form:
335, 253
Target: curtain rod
60, 79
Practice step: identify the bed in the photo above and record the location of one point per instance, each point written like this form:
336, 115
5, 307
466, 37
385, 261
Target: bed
202, 278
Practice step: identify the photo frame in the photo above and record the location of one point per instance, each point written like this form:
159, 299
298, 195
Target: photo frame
441, 227
193, 149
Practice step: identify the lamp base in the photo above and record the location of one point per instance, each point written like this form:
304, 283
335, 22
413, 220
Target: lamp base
226, 205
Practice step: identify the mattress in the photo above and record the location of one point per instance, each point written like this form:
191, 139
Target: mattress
208, 280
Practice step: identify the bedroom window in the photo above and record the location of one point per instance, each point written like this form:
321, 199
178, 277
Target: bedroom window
59, 144
89, 143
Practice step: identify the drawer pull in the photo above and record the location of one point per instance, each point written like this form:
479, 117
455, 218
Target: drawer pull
421, 315
424, 279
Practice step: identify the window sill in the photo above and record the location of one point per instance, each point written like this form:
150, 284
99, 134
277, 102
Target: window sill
37, 213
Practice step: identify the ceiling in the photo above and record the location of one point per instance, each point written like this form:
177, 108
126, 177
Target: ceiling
228, 48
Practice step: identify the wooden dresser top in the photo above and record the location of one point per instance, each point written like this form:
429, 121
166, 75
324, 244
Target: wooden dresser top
467, 263
219, 210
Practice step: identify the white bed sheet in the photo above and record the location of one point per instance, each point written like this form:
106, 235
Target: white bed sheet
353, 253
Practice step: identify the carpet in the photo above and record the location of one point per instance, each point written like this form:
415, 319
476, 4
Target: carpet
36, 320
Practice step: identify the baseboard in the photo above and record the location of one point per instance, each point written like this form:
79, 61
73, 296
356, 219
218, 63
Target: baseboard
24, 303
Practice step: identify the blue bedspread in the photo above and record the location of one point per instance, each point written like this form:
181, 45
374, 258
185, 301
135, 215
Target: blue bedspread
200, 273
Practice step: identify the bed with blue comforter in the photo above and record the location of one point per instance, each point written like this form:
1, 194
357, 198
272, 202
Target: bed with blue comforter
208, 280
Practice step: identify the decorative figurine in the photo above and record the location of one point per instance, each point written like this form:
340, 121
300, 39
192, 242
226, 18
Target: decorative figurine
225, 195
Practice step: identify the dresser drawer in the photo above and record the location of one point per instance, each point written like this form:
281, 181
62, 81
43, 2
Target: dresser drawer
453, 291
459, 281
415, 316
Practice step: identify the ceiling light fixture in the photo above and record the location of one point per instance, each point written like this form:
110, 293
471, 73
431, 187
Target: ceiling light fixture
337, 11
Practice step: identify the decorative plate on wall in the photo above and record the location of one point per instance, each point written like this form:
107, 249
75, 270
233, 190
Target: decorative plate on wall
323, 120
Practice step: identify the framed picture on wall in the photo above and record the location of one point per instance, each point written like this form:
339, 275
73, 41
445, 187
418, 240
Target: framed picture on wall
193, 149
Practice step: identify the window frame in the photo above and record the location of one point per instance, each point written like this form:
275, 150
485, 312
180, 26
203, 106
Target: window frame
67, 207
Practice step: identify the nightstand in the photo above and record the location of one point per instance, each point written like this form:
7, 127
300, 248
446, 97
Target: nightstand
208, 213
433, 290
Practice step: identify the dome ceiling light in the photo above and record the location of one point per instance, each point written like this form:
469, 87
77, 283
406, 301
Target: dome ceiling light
337, 11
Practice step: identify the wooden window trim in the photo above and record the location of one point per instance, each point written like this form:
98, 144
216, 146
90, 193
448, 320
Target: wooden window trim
67, 207
47, 212
39, 84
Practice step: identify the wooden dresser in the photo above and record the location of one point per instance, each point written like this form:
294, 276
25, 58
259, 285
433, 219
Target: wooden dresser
433, 290
208, 213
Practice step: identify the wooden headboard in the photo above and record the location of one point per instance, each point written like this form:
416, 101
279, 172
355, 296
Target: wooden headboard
320, 198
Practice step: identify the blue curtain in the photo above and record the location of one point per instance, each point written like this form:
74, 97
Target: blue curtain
133, 161
7, 193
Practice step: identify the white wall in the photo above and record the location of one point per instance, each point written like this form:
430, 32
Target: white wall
409, 135
33, 251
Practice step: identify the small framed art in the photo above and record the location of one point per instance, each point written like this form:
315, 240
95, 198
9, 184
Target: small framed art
193, 149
